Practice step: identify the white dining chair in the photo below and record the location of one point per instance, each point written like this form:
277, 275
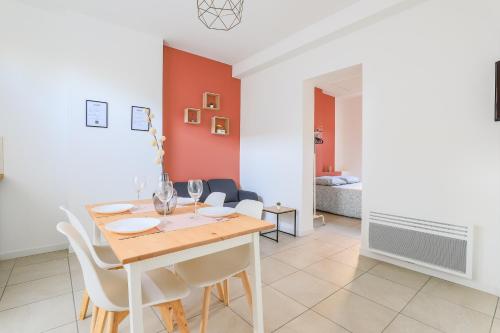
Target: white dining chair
108, 289
216, 199
215, 269
103, 255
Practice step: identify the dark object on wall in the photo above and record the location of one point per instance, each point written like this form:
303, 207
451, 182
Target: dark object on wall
139, 119
96, 114
497, 91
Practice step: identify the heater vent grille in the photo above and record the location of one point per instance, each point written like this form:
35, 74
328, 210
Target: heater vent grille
438, 245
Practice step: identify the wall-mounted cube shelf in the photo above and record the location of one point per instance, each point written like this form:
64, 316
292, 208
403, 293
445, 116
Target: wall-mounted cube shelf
220, 125
211, 101
192, 116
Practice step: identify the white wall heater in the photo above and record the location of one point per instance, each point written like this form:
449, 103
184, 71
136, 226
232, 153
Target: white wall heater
440, 246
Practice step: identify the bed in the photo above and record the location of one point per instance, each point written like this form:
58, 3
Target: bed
340, 199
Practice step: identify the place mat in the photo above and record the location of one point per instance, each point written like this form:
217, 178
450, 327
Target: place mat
143, 208
183, 221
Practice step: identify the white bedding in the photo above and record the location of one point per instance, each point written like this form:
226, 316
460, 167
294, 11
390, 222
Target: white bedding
342, 199
355, 186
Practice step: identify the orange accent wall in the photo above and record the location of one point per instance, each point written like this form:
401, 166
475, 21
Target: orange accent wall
324, 119
191, 150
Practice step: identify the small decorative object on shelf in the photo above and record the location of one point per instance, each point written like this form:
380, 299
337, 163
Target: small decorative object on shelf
220, 125
211, 101
278, 205
192, 116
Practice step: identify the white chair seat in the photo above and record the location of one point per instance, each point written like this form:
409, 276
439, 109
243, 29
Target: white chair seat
107, 256
211, 269
158, 286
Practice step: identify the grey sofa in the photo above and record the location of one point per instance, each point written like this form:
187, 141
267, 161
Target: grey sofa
228, 186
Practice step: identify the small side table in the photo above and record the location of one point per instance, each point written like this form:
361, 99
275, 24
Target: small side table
278, 212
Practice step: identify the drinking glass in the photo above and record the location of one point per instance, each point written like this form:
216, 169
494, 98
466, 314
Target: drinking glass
139, 183
195, 189
165, 192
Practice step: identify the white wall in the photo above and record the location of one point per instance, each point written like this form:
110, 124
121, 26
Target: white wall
348, 134
50, 63
430, 146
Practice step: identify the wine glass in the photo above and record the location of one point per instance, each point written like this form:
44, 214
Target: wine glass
139, 183
165, 192
195, 189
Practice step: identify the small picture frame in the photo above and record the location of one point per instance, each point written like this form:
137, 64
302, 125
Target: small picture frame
139, 119
96, 114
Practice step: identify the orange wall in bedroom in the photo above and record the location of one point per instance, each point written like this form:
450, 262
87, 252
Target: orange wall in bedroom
324, 119
191, 150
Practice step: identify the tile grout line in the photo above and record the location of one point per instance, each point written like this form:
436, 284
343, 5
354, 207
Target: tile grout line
494, 314
8, 278
37, 279
406, 305
300, 314
73, 295
34, 280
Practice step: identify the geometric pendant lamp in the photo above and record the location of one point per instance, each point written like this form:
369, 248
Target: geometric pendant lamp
220, 14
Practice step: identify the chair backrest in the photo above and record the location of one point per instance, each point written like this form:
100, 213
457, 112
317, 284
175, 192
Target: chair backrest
251, 208
216, 199
75, 222
97, 280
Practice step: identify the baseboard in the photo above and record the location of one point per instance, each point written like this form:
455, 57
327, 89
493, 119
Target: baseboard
29, 252
431, 272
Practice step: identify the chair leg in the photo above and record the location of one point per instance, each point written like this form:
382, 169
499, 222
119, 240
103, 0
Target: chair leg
204, 309
84, 306
113, 321
246, 285
95, 312
226, 293
110, 322
180, 317
222, 297
167, 316
101, 319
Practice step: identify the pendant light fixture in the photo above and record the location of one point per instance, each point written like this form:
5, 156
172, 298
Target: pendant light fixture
220, 14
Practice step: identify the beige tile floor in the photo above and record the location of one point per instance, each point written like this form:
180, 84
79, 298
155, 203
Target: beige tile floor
317, 283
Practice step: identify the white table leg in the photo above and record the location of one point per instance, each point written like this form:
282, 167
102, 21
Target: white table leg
135, 297
257, 311
96, 234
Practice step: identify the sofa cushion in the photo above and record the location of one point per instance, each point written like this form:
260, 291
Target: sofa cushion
227, 186
182, 190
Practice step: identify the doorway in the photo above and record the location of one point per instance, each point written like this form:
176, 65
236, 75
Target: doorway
337, 168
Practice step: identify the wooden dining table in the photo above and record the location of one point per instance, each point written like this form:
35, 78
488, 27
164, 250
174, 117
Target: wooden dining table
155, 249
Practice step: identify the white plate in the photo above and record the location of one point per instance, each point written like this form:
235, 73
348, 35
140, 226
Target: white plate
216, 211
184, 201
133, 225
112, 209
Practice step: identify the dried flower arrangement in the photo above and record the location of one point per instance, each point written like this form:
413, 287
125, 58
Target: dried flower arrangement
158, 141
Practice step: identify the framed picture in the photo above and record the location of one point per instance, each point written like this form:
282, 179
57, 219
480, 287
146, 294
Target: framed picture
139, 118
96, 114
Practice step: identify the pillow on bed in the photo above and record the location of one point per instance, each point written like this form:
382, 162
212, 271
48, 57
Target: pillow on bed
330, 181
350, 179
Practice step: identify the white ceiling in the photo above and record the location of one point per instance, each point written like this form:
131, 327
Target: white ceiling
264, 23
344, 82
